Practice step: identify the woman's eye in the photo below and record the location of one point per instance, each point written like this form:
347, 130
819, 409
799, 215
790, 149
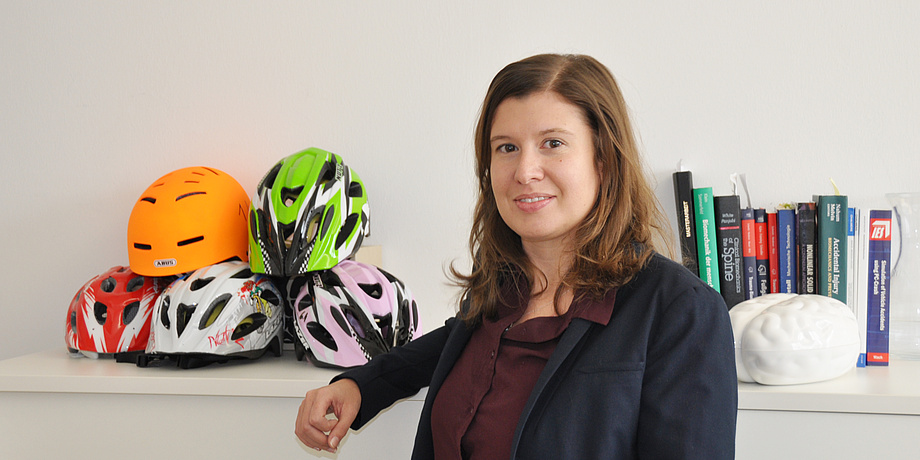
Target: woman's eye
553, 143
506, 148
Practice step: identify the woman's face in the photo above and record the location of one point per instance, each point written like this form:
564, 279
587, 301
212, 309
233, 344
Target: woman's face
543, 168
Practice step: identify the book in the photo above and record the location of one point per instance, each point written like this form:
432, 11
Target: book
785, 223
749, 253
761, 253
879, 272
704, 213
862, 280
683, 199
831, 258
805, 236
728, 235
773, 251
852, 256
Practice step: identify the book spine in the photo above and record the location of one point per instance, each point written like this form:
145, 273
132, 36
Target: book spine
762, 257
877, 287
831, 257
683, 199
728, 234
862, 297
706, 236
852, 256
785, 222
805, 246
773, 251
749, 253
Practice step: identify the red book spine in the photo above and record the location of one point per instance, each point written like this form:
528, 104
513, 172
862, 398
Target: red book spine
773, 251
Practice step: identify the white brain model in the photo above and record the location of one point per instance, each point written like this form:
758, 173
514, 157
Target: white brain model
784, 339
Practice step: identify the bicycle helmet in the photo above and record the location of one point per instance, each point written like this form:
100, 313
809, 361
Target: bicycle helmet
110, 314
188, 219
309, 213
214, 314
349, 314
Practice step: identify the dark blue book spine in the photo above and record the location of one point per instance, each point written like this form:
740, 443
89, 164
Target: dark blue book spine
749, 253
785, 222
877, 287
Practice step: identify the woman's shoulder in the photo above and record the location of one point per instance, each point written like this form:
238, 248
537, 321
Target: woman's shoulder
662, 278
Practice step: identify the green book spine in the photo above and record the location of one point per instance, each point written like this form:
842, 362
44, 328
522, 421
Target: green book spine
706, 236
832, 246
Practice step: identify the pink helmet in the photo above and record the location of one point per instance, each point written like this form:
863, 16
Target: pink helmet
110, 314
345, 316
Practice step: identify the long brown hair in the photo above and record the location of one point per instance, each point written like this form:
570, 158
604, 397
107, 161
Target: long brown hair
619, 234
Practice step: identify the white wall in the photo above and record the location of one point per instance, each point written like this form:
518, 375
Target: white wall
98, 99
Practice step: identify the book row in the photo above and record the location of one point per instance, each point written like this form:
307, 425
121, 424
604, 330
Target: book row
822, 246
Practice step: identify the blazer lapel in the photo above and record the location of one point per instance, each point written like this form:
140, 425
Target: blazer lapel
567, 343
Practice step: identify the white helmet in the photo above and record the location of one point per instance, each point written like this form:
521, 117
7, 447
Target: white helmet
216, 313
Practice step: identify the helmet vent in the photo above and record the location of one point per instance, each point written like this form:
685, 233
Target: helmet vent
327, 220
200, 283
339, 319
355, 190
186, 195
101, 311
130, 312
142, 246
374, 290
355, 324
247, 325
327, 174
305, 303
73, 320
290, 195
383, 323
286, 231
217, 306
108, 284
269, 177
190, 241
347, 227
242, 274
183, 315
192, 182
149, 199
135, 283
322, 335
270, 297
164, 312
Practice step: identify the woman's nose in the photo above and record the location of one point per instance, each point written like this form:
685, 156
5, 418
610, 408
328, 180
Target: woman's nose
529, 167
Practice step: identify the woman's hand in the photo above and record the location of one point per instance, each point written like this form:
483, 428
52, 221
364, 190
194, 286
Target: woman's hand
342, 398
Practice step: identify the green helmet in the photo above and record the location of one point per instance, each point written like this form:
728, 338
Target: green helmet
310, 212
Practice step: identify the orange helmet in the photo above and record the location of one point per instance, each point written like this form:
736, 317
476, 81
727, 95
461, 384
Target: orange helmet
188, 219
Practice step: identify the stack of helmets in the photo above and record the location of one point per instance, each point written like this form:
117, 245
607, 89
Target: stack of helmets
206, 264
191, 225
307, 220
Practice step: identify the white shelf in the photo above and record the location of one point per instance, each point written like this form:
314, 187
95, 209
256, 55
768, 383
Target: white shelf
51, 392
54, 371
871, 390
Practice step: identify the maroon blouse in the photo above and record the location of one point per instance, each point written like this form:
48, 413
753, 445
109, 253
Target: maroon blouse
477, 409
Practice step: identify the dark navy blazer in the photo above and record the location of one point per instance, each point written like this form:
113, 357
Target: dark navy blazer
657, 382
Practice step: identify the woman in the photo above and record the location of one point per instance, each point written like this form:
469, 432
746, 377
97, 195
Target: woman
575, 338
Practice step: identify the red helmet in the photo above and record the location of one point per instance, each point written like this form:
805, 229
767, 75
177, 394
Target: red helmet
111, 313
